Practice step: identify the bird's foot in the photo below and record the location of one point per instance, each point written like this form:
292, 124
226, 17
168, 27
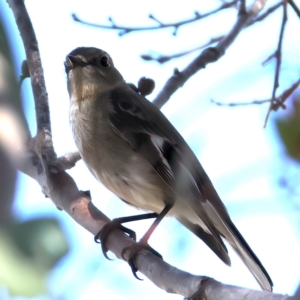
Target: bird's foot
103, 234
134, 250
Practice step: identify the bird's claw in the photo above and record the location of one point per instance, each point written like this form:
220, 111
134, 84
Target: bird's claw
103, 234
134, 250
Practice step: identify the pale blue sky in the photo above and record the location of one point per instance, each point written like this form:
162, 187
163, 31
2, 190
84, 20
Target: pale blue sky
243, 160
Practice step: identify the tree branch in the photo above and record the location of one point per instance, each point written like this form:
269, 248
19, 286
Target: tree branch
242, 9
232, 104
277, 54
208, 55
34, 63
164, 58
295, 7
37, 79
124, 29
277, 101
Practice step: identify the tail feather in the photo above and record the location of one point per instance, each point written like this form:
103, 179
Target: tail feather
249, 258
228, 230
219, 249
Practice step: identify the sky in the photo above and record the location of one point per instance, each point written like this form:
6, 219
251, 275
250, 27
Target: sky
244, 161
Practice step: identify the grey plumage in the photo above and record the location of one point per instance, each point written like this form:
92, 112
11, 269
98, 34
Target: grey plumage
131, 147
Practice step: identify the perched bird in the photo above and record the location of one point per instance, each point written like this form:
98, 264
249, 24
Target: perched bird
132, 148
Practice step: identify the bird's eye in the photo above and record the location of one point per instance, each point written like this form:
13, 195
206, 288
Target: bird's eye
104, 61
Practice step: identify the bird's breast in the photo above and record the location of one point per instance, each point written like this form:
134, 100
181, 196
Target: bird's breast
115, 164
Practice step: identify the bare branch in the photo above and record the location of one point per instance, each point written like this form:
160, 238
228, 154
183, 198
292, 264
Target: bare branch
207, 56
240, 103
285, 95
242, 9
124, 29
277, 102
37, 77
164, 58
295, 7
34, 63
277, 55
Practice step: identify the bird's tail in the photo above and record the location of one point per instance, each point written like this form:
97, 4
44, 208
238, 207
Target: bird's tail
227, 229
239, 244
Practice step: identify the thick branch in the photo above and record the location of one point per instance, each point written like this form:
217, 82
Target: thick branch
207, 56
44, 144
34, 64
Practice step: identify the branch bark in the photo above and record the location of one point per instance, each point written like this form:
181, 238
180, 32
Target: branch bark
64, 193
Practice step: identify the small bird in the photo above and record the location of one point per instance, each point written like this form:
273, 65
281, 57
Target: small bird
131, 147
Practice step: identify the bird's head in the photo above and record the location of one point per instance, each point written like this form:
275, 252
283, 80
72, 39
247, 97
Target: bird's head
90, 71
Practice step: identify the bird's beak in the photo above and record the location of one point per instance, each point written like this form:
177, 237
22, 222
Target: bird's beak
72, 62
75, 60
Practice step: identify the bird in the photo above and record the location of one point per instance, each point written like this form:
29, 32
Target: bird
129, 145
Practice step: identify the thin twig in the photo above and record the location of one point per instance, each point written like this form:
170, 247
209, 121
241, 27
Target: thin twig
295, 7
207, 56
232, 104
164, 58
125, 29
277, 55
285, 95
277, 102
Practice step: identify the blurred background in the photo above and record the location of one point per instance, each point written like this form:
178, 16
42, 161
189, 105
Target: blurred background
44, 254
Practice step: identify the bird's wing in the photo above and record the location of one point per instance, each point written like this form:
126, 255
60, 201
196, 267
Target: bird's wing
147, 131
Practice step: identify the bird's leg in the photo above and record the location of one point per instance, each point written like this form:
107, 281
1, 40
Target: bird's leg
103, 234
143, 243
